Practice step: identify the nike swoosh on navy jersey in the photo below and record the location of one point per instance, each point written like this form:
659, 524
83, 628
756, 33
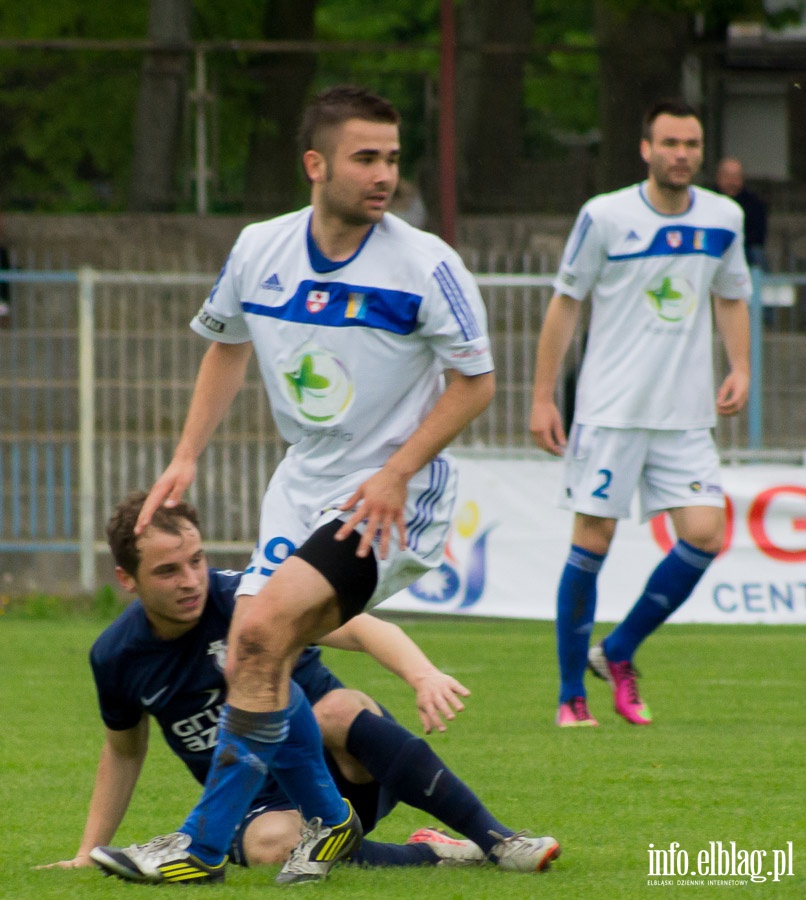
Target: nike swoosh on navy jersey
147, 701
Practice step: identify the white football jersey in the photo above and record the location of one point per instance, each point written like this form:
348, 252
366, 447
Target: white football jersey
352, 353
648, 361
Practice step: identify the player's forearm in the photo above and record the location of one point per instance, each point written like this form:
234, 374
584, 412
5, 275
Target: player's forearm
463, 400
115, 781
221, 374
556, 335
386, 643
732, 320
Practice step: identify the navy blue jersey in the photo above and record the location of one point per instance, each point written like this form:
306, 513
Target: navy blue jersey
181, 682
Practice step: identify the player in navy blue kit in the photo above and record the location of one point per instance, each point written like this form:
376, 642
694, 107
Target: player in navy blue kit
164, 657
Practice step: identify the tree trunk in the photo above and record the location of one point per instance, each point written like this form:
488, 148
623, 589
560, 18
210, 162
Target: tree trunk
274, 167
641, 61
160, 106
489, 115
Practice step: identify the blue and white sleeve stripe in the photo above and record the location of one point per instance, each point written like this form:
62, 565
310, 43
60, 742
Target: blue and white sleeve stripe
577, 238
452, 291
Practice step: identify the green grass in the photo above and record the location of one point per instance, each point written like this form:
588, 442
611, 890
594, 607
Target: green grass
724, 761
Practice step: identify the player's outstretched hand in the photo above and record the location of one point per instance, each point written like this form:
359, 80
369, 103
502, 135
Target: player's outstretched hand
167, 490
380, 502
79, 862
547, 429
438, 699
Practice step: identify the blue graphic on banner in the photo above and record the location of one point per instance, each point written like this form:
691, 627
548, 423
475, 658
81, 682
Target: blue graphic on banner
454, 580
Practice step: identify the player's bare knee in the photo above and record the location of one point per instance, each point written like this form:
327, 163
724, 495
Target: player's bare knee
594, 533
703, 528
708, 541
336, 712
270, 838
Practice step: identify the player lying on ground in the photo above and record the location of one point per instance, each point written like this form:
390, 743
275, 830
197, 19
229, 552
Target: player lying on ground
163, 657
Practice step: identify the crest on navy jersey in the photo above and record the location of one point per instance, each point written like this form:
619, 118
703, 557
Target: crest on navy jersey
218, 650
674, 239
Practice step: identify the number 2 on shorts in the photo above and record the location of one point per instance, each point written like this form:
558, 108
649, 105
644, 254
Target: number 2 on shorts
601, 491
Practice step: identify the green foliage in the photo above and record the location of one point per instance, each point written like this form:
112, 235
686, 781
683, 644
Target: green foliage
105, 603
721, 762
68, 116
561, 87
102, 606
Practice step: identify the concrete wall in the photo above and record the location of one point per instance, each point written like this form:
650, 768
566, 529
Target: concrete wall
201, 243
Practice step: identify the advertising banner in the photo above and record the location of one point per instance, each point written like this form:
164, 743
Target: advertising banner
510, 542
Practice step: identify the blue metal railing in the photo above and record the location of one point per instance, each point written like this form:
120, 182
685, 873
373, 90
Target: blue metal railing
49, 479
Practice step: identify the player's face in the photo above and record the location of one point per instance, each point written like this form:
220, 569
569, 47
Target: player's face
356, 176
674, 153
171, 580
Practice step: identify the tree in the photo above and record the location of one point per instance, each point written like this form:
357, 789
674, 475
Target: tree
285, 79
65, 144
641, 58
160, 108
490, 121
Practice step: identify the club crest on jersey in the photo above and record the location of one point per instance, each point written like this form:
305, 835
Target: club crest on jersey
317, 301
674, 239
218, 650
318, 384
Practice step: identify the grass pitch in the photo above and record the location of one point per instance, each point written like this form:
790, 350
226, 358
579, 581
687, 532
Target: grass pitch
723, 762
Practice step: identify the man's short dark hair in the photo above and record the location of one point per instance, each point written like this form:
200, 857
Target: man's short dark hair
670, 106
334, 106
120, 528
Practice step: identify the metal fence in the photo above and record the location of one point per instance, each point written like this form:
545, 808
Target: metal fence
97, 369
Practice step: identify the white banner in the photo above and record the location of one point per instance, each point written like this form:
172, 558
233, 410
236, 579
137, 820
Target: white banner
510, 542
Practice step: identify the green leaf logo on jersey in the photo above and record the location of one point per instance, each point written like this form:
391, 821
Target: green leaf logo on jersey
672, 298
305, 379
318, 385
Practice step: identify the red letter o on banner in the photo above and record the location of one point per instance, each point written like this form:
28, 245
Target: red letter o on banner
758, 531
659, 526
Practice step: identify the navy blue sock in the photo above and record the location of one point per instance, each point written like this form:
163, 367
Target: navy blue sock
576, 609
669, 586
374, 853
410, 769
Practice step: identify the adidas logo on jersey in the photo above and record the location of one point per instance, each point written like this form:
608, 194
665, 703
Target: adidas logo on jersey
632, 236
272, 283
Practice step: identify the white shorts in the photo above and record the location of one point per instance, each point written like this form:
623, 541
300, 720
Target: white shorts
671, 469
293, 507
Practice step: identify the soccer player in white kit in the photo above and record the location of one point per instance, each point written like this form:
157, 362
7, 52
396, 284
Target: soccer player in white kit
372, 343
651, 257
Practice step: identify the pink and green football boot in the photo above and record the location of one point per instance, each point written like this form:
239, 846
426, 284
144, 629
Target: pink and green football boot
622, 678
